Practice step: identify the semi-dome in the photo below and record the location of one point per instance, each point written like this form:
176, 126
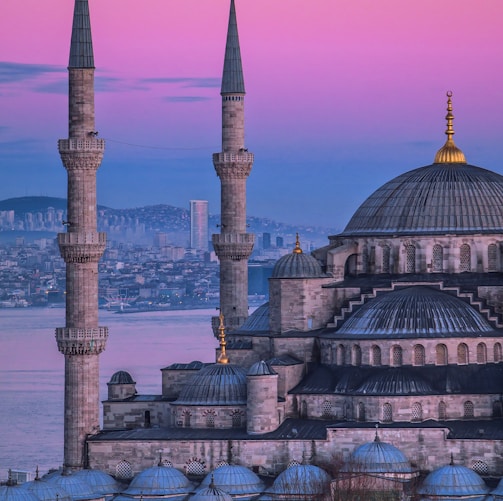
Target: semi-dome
297, 265
453, 481
440, 198
377, 457
121, 377
395, 381
415, 311
236, 480
301, 481
215, 384
261, 368
159, 481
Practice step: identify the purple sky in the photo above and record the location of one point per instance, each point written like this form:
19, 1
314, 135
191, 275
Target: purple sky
342, 95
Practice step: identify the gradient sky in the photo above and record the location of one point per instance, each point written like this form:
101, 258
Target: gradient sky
342, 95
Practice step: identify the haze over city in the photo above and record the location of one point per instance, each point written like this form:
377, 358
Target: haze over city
341, 97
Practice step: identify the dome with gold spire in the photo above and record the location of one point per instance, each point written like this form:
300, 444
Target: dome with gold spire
448, 197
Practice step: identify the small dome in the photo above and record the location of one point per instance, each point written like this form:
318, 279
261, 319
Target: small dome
159, 481
395, 381
121, 377
78, 488
377, 457
238, 481
211, 493
215, 384
301, 480
258, 320
499, 490
261, 369
46, 491
101, 483
16, 493
297, 265
454, 481
418, 311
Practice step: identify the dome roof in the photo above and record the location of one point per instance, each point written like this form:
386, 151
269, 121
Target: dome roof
301, 480
416, 311
159, 481
454, 480
16, 493
378, 457
297, 265
499, 489
261, 368
211, 493
215, 384
395, 381
46, 491
101, 483
78, 488
236, 480
121, 377
258, 320
440, 198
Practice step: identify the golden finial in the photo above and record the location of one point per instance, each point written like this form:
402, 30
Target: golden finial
297, 249
449, 153
222, 358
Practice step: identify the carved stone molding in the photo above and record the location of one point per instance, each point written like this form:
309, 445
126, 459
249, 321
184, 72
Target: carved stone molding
77, 341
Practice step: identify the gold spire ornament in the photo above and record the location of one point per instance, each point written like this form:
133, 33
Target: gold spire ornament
449, 153
222, 358
297, 249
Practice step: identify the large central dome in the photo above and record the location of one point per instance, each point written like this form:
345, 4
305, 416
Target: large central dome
440, 198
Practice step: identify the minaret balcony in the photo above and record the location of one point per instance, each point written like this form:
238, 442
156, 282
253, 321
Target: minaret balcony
85, 247
81, 341
234, 246
88, 144
233, 165
241, 157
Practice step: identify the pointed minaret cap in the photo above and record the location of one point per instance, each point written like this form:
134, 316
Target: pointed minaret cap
81, 48
232, 79
222, 358
449, 153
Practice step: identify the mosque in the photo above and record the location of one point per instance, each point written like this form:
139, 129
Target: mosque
376, 365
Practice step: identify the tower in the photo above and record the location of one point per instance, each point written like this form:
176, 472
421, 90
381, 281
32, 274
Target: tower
81, 340
199, 224
233, 245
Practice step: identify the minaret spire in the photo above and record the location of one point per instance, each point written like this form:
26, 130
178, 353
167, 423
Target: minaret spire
233, 245
81, 340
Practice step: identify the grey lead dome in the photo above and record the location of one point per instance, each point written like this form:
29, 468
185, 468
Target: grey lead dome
439, 198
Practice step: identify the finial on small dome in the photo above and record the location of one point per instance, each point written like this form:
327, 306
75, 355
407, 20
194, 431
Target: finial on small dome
222, 358
212, 482
160, 459
297, 249
452, 460
37, 476
449, 153
377, 439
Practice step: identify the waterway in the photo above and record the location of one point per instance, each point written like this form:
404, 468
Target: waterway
32, 371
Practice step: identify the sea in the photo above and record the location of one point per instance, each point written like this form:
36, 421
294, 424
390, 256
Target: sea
32, 371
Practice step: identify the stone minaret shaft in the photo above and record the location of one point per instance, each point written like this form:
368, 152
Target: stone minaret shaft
81, 340
233, 245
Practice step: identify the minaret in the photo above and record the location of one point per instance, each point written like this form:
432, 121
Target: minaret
233, 245
81, 340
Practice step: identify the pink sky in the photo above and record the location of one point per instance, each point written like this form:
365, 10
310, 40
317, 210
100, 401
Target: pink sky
341, 96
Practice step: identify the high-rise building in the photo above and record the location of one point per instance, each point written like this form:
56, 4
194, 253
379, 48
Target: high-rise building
81, 340
266, 241
199, 224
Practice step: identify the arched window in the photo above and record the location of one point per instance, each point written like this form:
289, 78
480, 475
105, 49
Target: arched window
441, 351
303, 409
480, 467
186, 418
465, 258
410, 253
237, 419
386, 259
417, 412
210, 419
497, 352
147, 419
497, 409
492, 257
341, 354
468, 410
387, 413
361, 411
442, 410
376, 355
123, 470
419, 357
438, 258
462, 354
365, 260
357, 355
326, 409
195, 467
481, 353
396, 356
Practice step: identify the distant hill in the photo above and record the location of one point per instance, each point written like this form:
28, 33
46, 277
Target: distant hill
21, 205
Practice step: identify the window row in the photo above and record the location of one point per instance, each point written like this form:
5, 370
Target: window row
210, 417
353, 355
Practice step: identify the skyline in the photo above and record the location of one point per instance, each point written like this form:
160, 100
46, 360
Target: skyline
338, 89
